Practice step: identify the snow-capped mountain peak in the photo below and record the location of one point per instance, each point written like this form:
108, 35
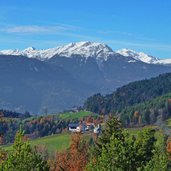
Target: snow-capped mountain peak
30, 49
140, 56
84, 49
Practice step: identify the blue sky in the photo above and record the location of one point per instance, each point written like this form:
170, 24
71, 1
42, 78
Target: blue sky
141, 25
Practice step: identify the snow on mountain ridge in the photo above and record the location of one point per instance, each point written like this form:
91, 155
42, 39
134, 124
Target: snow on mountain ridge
140, 56
85, 49
163, 61
30, 49
10, 52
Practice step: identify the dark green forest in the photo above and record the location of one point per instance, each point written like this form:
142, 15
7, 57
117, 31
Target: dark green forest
148, 99
130, 94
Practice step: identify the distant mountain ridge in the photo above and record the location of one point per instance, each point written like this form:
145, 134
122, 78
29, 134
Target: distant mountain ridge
85, 49
140, 56
53, 80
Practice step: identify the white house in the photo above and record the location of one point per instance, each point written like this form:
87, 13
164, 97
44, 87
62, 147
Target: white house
97, 129
77, 127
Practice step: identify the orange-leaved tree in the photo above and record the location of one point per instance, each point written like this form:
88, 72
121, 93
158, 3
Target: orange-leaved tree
75, 158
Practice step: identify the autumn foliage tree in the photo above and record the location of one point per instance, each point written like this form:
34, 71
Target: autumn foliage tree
1, 139
75, 158
168, 147
3, 156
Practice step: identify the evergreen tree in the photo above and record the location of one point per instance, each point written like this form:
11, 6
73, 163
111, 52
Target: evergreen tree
112, 127
117, 150
23, 157
159, 161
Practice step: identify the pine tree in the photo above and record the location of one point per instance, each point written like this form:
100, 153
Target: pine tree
23, 157
112, 127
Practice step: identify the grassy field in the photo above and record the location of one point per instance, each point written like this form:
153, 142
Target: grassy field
53, 143
77, 115
168, 123
67, 115
58, 142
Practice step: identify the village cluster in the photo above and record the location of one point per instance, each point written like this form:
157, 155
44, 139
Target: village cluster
84, 127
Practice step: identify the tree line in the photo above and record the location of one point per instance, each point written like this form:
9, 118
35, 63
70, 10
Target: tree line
116, 149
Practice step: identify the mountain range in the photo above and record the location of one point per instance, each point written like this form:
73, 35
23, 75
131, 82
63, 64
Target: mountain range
55, 79
85, 49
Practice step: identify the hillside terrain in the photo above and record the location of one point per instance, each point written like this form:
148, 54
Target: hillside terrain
130, 94
141, 102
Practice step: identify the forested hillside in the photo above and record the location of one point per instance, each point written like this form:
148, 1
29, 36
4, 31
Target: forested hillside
148, 112
129, 95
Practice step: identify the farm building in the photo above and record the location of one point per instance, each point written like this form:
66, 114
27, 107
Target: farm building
97, 129
77, 127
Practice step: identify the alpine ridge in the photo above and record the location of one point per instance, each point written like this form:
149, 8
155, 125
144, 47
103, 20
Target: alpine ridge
140, 56
85, 49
